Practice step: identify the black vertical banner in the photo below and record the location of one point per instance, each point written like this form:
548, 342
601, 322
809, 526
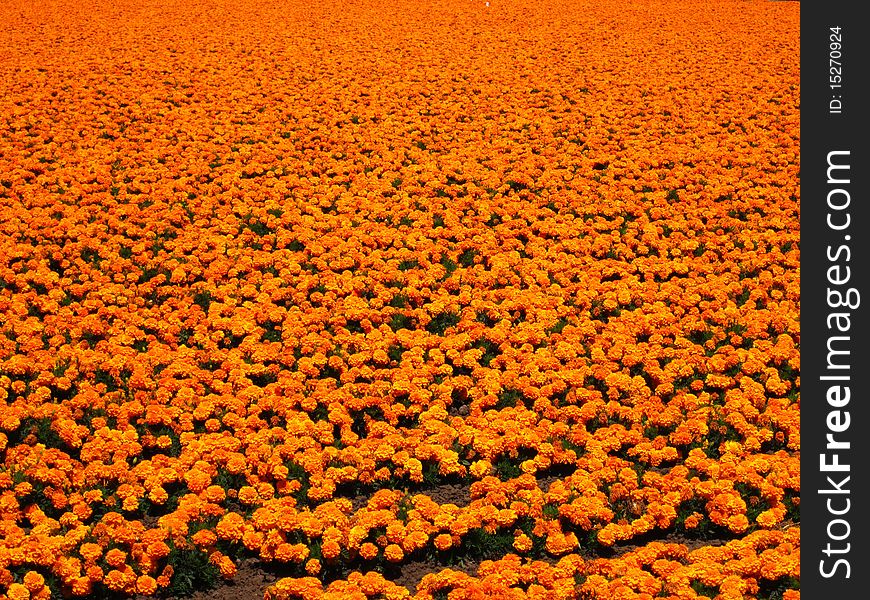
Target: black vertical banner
835, 299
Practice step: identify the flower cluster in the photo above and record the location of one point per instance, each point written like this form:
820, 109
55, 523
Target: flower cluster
735, 570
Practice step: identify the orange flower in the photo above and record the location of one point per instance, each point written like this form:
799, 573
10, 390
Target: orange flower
393, 553
204, 538
230, 527
116, 558
312, 566
330, 549
522, 543
146, 585
368, 551
17, 591
443, 541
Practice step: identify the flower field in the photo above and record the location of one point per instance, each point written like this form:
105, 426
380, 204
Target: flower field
505, 296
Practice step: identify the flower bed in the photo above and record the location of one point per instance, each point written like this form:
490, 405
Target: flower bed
342, 287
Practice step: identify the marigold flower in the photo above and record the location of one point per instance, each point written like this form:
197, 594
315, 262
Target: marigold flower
330, 549
312, 566
90, 551
115, 557
368, 551
443, 541
17, 591
146, 585
204, 538
82, 586
393, 553
522, 543
115, 580
33, 581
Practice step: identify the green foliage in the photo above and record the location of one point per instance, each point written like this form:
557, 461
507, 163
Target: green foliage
399, 321
394, 352
399, 300
490, 351
507, 468
184, 336
559, 325
707, 591
466, 259
508, 398
700, 337
480, 544
494, 219
442, 322
271, 333
775, 590
550, 511
192, 571
203, 299
260, 228
405, 506
229, 481
483, 317
449, 266
174, 445
755, 504
262, 379
354, 326
793, 511
41, 429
